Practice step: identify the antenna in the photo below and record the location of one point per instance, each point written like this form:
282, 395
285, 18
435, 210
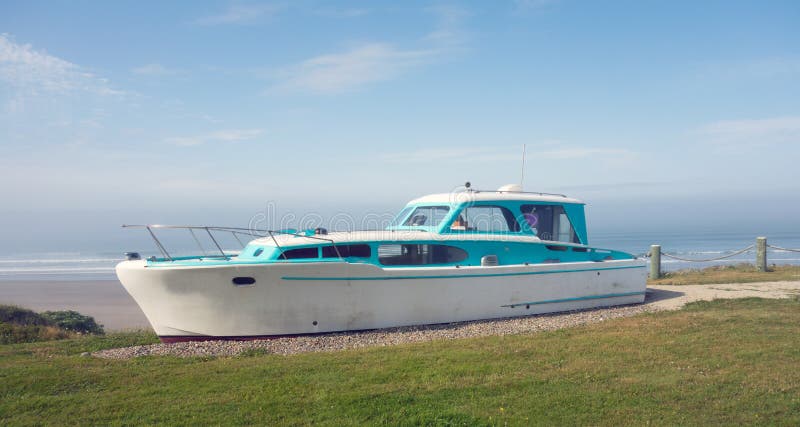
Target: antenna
522, 175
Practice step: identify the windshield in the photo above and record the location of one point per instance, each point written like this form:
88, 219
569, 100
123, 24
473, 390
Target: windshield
428, 216
401, 216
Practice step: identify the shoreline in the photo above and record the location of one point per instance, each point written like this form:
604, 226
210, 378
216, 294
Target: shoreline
105, 300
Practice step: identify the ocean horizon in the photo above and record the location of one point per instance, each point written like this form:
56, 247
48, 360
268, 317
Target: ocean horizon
99, 264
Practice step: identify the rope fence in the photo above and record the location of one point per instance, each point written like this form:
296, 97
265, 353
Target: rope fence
783, 249
741, 251
760, 247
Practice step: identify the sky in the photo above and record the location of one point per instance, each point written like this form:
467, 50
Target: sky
660, 115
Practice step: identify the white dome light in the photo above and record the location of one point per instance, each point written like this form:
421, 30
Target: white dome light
511, 188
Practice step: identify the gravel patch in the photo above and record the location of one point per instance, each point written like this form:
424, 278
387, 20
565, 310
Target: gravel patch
380, 337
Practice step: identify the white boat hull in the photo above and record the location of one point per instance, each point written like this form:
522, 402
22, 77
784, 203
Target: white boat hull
201, 302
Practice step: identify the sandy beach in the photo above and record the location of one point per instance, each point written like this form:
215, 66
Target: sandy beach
105, 300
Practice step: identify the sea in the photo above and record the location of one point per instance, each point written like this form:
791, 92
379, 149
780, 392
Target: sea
700, 246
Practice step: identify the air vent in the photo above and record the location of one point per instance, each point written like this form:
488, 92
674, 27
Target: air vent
489, 261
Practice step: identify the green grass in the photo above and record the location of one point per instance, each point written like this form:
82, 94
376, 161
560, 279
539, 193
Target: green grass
18, 325
724, 362
739, 273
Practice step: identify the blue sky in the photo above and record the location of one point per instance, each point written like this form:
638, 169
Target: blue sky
658, 114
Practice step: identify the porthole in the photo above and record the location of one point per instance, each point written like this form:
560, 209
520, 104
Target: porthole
243, 281
258, 252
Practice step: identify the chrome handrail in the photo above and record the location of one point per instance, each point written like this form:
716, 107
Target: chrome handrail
235, 232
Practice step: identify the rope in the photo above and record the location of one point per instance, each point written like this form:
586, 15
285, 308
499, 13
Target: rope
783, 249
709, 259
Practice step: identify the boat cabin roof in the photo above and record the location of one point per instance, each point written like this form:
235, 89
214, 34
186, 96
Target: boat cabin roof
490, 196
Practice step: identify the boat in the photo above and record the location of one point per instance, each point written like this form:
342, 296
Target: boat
451, 257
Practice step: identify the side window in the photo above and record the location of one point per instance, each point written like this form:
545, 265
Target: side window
549, 222
360, 251
485, 219
396, 254
301, 253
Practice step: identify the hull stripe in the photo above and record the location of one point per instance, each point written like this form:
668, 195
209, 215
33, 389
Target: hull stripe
590, 297
460, 276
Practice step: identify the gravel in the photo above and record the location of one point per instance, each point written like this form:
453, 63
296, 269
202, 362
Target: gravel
380, 337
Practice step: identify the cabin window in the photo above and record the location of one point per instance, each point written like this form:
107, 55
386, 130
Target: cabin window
429, 216
414, 254
549, 222
485, 219
301, 253
358, 251
258, 252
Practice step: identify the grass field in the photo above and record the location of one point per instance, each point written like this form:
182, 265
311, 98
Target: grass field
724, 362
739, 273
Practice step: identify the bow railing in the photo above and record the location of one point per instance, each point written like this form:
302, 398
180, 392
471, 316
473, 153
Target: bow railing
236, 232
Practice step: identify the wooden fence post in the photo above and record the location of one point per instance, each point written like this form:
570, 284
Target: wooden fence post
761, 253
655, 261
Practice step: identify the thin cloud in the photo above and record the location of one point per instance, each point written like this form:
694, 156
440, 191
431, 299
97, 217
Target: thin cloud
772, 67
35, 72
581, 152
340, 13
229, 135
526, 5
240, 14
449, 33
339, 72
615, 185
372, 62
449, 154
753, 132
758, 68
154, 70
483, 155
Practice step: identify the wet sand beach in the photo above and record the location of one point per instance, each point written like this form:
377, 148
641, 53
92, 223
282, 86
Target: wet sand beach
105, 300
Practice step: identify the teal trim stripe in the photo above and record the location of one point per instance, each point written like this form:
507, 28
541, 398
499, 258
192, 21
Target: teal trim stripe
461, 276
553, 301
